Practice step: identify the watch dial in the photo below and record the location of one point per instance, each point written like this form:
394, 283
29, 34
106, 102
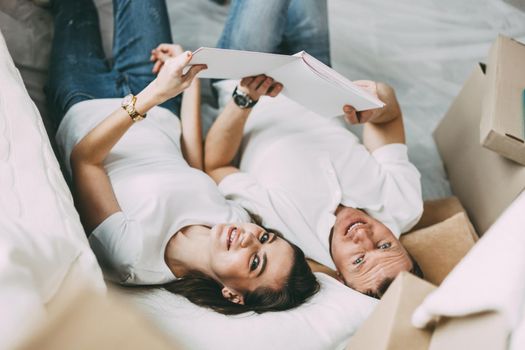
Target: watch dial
241, 100
127, 100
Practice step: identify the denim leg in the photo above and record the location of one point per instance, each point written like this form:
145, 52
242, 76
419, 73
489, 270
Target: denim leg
78, 70
255, 25
139, 27
307, 29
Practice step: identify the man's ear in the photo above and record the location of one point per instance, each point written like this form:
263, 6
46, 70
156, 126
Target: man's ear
232, 296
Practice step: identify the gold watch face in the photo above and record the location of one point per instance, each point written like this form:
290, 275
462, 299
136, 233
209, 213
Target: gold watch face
126, 102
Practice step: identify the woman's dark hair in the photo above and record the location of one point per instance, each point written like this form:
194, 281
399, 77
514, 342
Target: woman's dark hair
204, 291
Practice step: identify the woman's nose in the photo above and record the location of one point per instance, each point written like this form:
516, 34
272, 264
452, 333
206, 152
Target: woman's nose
248, 239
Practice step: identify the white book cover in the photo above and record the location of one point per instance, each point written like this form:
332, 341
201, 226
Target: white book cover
306, 80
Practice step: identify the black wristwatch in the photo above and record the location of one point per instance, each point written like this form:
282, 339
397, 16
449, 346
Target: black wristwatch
242, 99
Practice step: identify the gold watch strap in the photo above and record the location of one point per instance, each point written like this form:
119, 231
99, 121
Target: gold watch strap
132, 112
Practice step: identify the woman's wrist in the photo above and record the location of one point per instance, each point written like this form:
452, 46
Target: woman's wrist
149, 98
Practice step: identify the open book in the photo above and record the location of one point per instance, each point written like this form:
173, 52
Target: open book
306, 80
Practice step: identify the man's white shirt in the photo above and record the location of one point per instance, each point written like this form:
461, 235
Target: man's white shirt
297, 167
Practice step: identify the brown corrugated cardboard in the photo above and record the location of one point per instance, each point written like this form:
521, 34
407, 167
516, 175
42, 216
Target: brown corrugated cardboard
85, 320
502, 126
389, 326
485, 182
438, 210
440, 247
485, 331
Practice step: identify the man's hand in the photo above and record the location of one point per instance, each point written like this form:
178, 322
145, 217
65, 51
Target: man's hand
386, 114
260, 85
161, 53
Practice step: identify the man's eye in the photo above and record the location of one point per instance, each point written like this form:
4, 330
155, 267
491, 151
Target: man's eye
255, 263
358, 260
265, 237
385, 245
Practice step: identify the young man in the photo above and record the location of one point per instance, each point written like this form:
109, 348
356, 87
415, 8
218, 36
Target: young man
345, 203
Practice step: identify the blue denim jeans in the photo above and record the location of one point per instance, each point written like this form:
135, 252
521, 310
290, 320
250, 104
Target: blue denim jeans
278, 26
80, 71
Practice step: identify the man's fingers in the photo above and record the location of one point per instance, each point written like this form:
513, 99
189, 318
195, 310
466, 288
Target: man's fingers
275, 89
351, 114
262, 89
256, 82
246, 81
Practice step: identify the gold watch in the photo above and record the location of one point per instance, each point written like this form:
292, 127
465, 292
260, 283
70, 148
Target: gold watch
128, 104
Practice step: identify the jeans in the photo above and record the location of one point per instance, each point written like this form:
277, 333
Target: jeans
79, 70
278, 26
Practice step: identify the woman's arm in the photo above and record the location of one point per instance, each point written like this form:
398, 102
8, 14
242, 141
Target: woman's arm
93, 192
191, 137
225, 135
190, 113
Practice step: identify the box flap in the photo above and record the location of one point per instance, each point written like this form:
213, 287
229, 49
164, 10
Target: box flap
502, 126
389, 326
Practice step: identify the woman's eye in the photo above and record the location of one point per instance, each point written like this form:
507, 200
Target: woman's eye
385, 245
255, 263
358, 260
265, 237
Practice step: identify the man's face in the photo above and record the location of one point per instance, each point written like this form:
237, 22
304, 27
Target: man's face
365, 251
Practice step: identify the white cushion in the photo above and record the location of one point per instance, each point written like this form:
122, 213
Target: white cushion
326, 321
41, 236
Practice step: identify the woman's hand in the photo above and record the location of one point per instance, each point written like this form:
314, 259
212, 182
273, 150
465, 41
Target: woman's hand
171, 80
162, 52
260, 85
376, 116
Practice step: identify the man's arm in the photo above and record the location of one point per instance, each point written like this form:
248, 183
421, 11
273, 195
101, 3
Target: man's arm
225, 135
381, 126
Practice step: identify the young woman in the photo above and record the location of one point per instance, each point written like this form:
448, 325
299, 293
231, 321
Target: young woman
151, 215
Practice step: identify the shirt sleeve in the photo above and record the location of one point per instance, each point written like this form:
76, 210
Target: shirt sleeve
117, 244
244, 190
394, 188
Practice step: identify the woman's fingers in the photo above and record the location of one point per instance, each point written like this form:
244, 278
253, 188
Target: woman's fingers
194, 70
157, 66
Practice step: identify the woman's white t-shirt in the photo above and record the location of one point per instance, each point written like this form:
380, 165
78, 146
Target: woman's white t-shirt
158, 192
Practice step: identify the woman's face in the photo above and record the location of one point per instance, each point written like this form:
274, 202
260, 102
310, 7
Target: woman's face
245, 257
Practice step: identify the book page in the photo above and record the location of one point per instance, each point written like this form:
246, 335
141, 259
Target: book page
312, 90
236, 64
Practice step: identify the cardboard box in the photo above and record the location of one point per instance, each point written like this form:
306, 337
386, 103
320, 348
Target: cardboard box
389, 326
85, 320
502, 125
485, 182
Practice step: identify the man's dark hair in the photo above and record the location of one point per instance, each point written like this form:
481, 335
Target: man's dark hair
383, 286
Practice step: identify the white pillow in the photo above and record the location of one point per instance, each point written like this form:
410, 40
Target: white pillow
326, 321
41, 238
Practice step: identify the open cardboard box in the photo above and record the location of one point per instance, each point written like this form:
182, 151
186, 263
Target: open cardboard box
485, 183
